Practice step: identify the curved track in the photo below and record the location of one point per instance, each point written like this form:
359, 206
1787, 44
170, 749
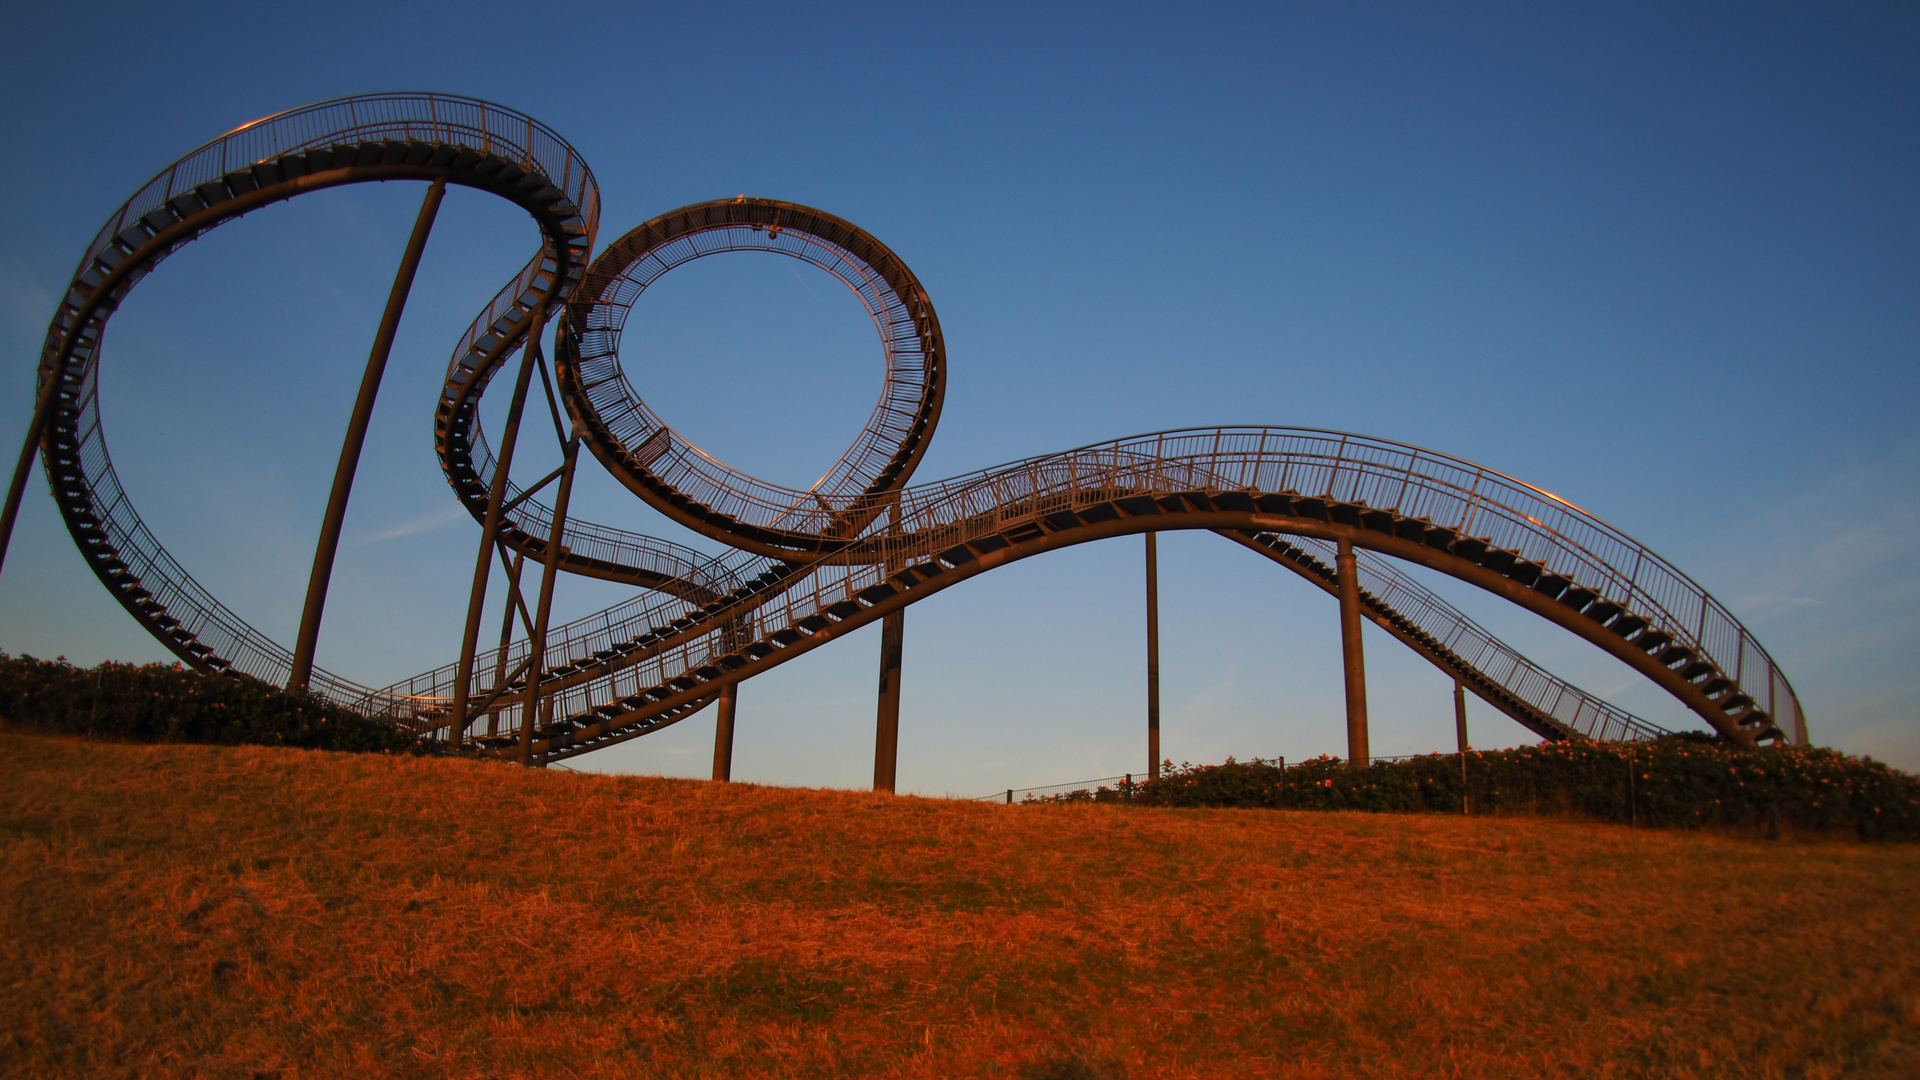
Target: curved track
350, 141
810, 566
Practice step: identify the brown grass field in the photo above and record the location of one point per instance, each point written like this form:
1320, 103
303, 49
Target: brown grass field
250, 912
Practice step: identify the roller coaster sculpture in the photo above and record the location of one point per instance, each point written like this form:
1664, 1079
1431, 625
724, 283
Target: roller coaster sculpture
857, 547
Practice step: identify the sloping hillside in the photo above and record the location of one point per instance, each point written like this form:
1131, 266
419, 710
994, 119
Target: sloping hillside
211, 911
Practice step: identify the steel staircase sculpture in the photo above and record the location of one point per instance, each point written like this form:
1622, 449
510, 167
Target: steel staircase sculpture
807, 567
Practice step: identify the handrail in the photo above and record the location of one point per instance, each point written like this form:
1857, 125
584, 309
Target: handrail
371, 137
1479, 650
1347, 469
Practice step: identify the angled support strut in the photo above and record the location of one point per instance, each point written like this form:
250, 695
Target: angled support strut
490, 529
537, 646
36, 431
329, 544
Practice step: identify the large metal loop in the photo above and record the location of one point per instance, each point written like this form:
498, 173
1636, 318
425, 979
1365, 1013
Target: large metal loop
692, 486
353, 140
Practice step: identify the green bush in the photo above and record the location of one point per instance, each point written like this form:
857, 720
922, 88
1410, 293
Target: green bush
162, 703
1684, 781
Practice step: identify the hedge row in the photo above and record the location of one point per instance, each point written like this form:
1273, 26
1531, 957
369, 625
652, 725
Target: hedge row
162, 703
1686, 781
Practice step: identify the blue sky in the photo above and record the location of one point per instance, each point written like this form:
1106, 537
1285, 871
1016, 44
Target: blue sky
1661, 260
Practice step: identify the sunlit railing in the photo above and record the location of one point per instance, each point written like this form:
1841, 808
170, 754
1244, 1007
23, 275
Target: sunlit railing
110, 532
907, 343
1459, 636
1446, 492
702, 575
479, 125
577, 652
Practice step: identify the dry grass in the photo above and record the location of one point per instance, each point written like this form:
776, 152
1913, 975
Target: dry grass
202, 911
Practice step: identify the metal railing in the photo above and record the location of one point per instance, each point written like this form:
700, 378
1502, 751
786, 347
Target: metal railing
577, 652
446, 118
101, 517
1006, 795
698, 572
1444, 491
910, 348
1474, 646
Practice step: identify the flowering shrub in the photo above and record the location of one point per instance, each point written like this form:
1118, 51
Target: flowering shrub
162, 703
1682, 781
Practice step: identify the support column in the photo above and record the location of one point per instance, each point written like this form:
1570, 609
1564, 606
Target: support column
323, 554
1460, 728
886, 737
1153, 657
537, 643
723, 733
1351, 661
36, 431
1460, 713
490, 528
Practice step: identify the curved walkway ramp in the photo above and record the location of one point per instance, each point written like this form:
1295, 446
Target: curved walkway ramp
1517, 542
1550, 707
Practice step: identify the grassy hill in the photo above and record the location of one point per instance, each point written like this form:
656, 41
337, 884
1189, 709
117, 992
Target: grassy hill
176, 910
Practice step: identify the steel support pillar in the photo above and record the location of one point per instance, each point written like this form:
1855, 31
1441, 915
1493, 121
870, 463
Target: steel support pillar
490, 528
323, 553
1460, 729
723, 733
1352, 663
1460, 713
886, 738
1153, 657
36, 431
537, 645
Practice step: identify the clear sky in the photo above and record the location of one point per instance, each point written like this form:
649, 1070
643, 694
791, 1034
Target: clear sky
1661, 260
